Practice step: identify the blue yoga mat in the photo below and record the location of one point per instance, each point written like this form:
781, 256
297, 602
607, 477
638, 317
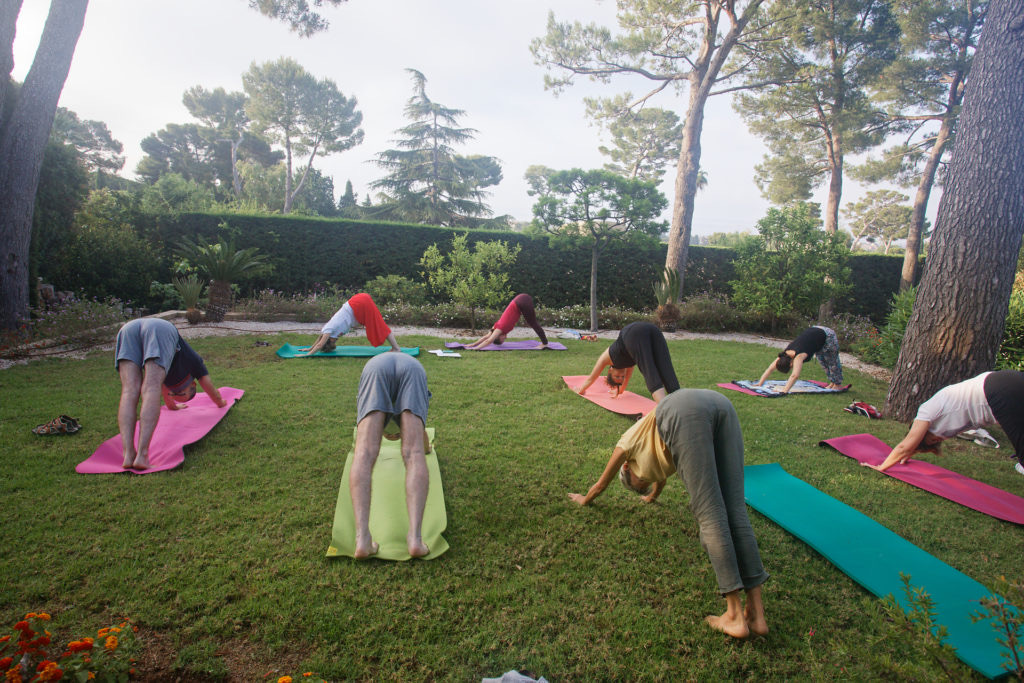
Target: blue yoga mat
291, 351
874, 556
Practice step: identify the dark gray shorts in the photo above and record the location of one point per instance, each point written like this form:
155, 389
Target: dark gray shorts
393, 383
145, 339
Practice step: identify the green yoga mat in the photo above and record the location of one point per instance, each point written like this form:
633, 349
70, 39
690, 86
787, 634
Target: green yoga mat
389, 520
874, 556
291, 351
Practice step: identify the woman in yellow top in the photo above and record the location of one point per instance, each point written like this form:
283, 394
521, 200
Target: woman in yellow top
696, 433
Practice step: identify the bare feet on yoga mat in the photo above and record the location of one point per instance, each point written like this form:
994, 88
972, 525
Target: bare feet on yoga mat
730, 626
417, 548
364, 551
141, 463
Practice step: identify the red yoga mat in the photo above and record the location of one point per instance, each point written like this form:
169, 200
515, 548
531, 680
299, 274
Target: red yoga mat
971, 493
175, 430
627, 403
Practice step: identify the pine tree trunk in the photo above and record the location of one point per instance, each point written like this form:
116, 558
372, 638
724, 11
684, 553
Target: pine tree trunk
911, 265
958, 320
593, 289
219, 300
22, 143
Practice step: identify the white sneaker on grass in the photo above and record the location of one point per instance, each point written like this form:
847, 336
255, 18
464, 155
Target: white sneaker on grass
1020, 468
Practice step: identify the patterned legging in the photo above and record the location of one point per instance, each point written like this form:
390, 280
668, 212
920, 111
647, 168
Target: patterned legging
828, 356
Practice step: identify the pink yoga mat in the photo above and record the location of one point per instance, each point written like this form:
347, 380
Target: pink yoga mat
523, 345
175, 430
971, 493
627, 403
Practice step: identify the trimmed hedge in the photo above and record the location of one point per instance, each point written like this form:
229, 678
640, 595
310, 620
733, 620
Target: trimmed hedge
308, 251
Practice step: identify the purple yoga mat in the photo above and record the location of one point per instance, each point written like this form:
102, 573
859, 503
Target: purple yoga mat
525, 345
866, 448
175, 430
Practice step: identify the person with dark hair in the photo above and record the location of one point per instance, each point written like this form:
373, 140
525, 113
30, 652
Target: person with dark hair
696, 433
988, 399
639, 344
359, 309
153, 361
392, 390
817, 340
521, 305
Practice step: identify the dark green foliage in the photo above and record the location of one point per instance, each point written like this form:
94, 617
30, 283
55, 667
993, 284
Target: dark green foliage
883, 347
1011, 353
348, 253
63, 186
387, 289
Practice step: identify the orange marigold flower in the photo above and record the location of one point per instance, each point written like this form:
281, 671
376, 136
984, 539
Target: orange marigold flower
115, 629
5, 639
80, 645
43, 615
92, 675
30, 615
308, 673
123, 624
110, 643
22, 626
13, 676
284, 679
102, 633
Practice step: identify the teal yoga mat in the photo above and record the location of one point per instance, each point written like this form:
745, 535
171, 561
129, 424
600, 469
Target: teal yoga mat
291, 351
874, 556
389, 519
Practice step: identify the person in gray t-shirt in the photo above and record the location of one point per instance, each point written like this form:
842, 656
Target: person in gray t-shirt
392, 390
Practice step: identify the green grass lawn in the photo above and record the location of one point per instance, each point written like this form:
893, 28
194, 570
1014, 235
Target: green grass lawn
221, 562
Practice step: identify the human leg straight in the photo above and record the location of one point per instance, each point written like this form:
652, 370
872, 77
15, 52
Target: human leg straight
686, 421
417, 480
369, 431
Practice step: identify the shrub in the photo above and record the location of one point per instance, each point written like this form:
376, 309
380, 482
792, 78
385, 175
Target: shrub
387, 289
882, 347
791, 266
77, 322
1011, 352
269, 305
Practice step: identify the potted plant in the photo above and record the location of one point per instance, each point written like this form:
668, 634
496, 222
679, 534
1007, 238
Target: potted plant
666, 291
190, 289
223, 264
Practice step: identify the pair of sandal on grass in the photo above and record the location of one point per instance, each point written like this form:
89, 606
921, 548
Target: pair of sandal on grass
58, 425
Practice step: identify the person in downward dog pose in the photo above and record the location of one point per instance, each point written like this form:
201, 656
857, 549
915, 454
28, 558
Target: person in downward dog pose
359, 309
639, 344
817, 340
153, 361
696, 433
392, 388
521, 305
988, 399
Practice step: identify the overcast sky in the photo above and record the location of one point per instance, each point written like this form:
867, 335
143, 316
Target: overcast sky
136, 58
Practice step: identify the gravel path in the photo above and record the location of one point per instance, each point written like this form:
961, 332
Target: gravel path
230, 327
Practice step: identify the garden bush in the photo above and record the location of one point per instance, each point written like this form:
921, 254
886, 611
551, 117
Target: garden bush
1011, 352
387, 289
882, 347
77, 322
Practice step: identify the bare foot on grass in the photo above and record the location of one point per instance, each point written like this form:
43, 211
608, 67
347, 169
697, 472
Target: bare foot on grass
364, 551
735, 627
757, 624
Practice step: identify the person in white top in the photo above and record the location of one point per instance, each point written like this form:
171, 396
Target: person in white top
988, 399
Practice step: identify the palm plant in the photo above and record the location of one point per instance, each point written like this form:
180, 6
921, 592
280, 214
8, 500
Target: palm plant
666, 292
223, 264
190, 289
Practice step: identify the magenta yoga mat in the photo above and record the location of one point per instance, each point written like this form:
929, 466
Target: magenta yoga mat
524, 345
175, 430
869, 449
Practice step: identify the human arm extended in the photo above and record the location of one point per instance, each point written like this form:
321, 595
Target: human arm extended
611, 470
394, 343
769, 371
603, 361
485, 340
318, 344
212, 391
905, 448
798, 365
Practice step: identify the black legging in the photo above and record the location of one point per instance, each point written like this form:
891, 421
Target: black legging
643, 345
1004, 391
